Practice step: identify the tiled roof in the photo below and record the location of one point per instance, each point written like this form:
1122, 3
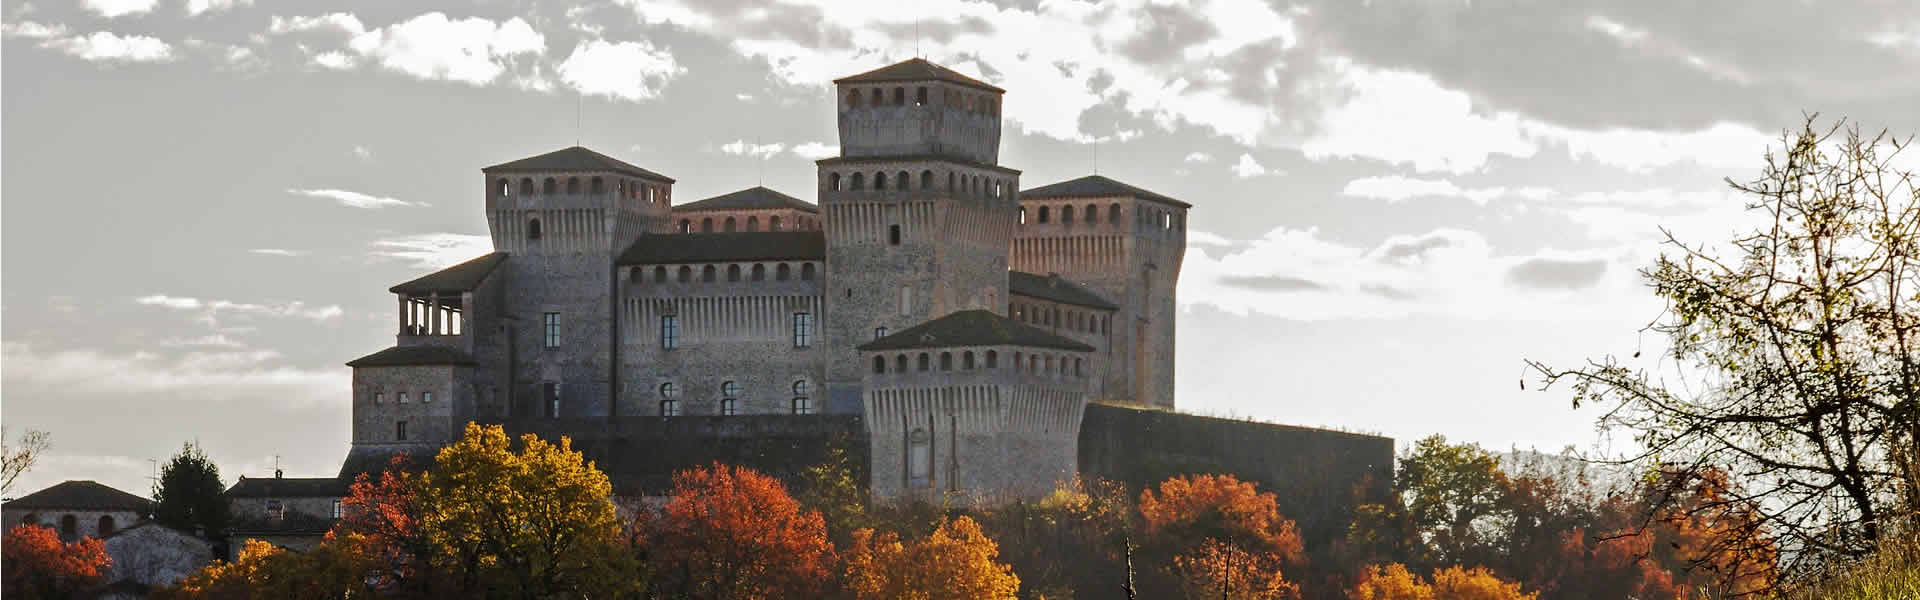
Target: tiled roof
753, 198
973, 328
725, 247
911, 158
1053, 287
1095, 186
463, 277
575, 158
80, 494
374, 460
416, 355
917, 69
294, 523
288, 487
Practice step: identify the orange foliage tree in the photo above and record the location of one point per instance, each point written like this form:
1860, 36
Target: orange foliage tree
956, 562
1395, 582
38, 565
1224, 536
731, 532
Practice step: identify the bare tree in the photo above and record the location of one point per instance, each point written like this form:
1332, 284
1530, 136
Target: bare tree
17, 457
1793, 352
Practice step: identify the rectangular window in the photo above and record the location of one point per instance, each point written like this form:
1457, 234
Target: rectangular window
379, 398
403, 397
879, 332
400, 431
906, 300
276, 510
426, 397
550, 323
669, 332
802, 329
338, 510
727, 407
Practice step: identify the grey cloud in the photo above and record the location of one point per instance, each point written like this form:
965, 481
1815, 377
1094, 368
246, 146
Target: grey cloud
1555, 273
1169, 30
1387, 291
1413, 248
1272, 283
937, 30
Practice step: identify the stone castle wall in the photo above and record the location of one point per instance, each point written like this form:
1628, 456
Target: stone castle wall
740, 327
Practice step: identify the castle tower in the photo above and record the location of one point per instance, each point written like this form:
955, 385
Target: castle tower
1127, 244
918, 213
563, 217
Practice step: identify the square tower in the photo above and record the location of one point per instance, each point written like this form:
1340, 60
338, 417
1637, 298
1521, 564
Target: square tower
918, 212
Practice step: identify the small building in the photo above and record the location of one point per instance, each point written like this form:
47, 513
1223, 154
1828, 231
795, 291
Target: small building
77, 509
289, 512
150, 555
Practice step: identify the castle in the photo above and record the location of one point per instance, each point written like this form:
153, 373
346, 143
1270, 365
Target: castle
962, 324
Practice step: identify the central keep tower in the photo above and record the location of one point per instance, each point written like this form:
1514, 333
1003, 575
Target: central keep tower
919, 214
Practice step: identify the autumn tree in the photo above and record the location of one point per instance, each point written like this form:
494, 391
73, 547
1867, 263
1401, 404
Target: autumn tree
731, 532
1075, 538
957, 562
538, 522
1793, 358
38, 565
327, 572
189, 495
381, 522
1395, 582
18, 455
831, 489
1221, 536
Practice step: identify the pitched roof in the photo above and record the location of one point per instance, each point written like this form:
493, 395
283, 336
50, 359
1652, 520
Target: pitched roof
973, 328
80, 494
575, 158
416, 355
288, 487
1097, 186
459, 278
753, 198
725, 247
1052, 287
917, 69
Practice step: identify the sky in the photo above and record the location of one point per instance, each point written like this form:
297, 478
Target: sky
1396, 203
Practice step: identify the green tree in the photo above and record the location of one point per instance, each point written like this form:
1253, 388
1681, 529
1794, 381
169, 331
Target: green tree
1793, 353
1455, 498
189, 495
831, 489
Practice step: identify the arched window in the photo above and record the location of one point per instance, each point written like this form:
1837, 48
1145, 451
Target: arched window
733, 272
707, 274
925, 361
782, 272
853, 98
946, 361
806, 271
686, 226
1066, 214
1093, 213
659, 274
773, 223
759, 272
802, 398
1113, 213
858, 182
636, 275
920, 96
880, 180
1043, 214
753, 223
833, 181
926, 180
900, 364
105, 527
597, 186
966, 360
899, 96
729, 225
685, 275
533, 229
69, 527
526, 186
879, 365
1023, 215
950, 179
1017, 365
573, 185
706, 225
993, 359
878, 97
669, 400
548, 186
903, 182
503, 187
893, 235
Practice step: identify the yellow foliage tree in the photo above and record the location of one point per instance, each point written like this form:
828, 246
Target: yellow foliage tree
1394, 582
265, 571
957, 562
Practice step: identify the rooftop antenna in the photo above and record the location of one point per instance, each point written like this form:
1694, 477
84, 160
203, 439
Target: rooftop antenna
1096, 155
276, 466
759, 165
579, 105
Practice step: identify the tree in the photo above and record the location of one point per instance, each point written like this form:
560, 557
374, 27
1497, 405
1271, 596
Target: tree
1395, 582
957, 562
535, 523
264, 571
831, 489
731, 532
38, 565
1795, 349
1075, 538
1454, 496
18, 457
189, 495
1223, 536
382, 523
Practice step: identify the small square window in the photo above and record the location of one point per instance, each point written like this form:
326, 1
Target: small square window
338, 510
426, 397
379, 398
403, 397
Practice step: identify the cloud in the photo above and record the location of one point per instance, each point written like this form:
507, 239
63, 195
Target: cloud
1722, 145
212, 340
362, 153
1271, 283
277, 252
1556, 273
1198, 157
744, 148
353, 199
1204, 238
1247, 167
334, 60
1405, 118
433, 250
430, 46
233, 375
119, 8
816, 150
32, 30
632, 71
213, 308
1395, 188
196, 7
104, 46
